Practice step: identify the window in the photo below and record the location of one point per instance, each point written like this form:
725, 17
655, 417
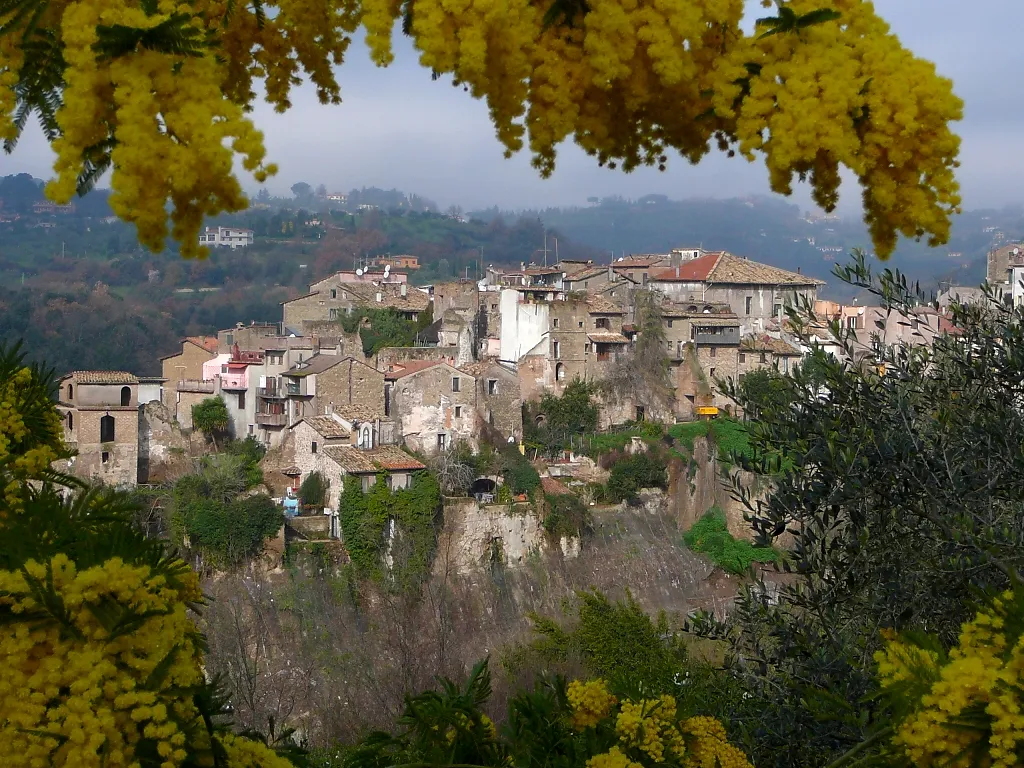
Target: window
458, 411
126, 395
251, 429
560, 372
749, 300
387, 399
312, 447
580, 324
71, 420
442, 441
777, 311
743, 357
554, 323
851, 322
334, 293
455, 383
645, 278
586, 347
556, 349
368, 481
241, 401
71, 391
668, 345
332, 313
492, 386
764, 357
107, 429
669, 322
603, 323
494, 307
714, 351
105, 457
230, 339
711, 373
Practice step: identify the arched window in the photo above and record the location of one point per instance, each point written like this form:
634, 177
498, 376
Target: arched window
126, 395
107, 429
71, 391
560, 372
71, 421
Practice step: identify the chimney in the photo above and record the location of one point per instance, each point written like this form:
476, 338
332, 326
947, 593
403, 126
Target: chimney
611, 274
677, 270
405, 290
798, 270
522, 266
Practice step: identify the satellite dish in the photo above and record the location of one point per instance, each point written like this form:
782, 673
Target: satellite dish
387, 269
359, 272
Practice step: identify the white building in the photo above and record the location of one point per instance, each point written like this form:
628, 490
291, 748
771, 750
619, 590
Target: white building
226, 237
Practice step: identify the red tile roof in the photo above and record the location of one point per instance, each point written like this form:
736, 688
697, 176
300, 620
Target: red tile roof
103, 377
209, 343
386, 457
726, 268
553, 487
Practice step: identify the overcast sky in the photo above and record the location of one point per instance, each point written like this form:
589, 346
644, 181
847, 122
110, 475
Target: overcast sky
397, 128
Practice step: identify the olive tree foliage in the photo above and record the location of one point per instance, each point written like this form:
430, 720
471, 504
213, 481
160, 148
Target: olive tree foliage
898, 475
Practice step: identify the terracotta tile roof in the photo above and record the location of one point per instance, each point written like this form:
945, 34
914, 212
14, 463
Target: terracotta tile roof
585, 272
553, 487
607, 338
726, 268
327, 426
770, 344
104, 377
386, 457
543, 271
409, 367
599, 305
357, 412
303, 296
316, 364
715, 321
209, 343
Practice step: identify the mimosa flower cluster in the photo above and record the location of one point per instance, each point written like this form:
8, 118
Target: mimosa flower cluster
626, 80
969, 704
650, 731
100, 661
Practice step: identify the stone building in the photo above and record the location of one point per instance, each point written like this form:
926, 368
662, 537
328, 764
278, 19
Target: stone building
333, 301
433, 403
186, 365
757, 293
100, 410
767, 352
326, 383
498, 400
998, 266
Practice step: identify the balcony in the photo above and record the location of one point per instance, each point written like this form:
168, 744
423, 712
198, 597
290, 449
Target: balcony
272, 419
195, 385
271, 393
234, 381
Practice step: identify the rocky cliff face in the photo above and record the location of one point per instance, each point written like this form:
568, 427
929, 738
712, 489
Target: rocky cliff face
312, 645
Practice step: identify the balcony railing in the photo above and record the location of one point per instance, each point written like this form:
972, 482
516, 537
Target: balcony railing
196, 385
272, 419
234, 381
272, 393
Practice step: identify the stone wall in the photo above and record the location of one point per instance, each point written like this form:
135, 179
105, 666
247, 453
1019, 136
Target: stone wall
161, 442
183, 409
476, 537
393, 355
349, 383
121, 466
425, 406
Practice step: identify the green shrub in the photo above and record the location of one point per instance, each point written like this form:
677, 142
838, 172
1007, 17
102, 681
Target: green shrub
710, 536
640, 470
229, 534
250, 451
688, 431
566, 516
520, 476
315, 490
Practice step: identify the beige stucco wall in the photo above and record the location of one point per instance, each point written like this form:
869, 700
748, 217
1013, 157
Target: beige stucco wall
188, 364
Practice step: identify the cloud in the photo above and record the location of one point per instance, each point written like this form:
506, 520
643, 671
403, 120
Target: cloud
397, 128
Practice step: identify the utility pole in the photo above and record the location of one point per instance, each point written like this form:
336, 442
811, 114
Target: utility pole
545, 246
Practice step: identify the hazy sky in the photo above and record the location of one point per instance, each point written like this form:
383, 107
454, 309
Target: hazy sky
397, 128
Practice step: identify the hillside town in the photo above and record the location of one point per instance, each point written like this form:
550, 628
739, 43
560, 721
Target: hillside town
307, 388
